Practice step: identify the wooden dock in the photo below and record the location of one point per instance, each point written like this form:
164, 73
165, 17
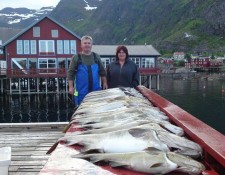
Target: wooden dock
29, 143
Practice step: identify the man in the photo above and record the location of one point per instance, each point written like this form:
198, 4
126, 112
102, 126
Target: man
85, 68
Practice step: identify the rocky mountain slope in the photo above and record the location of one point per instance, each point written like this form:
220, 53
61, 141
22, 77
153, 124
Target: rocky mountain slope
171, 25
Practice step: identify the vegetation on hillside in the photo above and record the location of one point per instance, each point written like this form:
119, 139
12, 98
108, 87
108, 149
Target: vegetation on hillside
170, 25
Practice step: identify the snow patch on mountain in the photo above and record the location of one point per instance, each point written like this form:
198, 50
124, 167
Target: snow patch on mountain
13, 16
88, 7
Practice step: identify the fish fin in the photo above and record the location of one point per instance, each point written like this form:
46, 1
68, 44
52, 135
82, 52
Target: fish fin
117, 164
81, 156
94, 158
156, 165
87, 149
152, 149
137, 132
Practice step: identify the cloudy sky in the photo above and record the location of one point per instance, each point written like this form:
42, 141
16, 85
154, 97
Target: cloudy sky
31, 4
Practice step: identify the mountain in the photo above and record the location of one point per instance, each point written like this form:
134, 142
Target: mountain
181, 25
21, 17
169, 25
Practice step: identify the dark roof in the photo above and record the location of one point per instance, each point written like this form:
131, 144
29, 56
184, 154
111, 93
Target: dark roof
134, 50
26, 29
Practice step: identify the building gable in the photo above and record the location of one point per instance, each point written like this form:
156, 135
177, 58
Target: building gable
45, 24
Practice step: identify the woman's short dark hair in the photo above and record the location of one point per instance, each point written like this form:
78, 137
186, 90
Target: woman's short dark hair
123, 48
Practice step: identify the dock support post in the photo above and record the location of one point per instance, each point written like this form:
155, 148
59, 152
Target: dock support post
57, 85
10, 86
66, 85
28, 84
157, 82
2, 86
46, 86
19, 84
140, 80
150, 81
38, 85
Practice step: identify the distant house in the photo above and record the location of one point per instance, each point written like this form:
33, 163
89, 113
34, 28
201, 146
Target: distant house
216, 62
145, 56
166, 63
194, 56
200, 62
178, 55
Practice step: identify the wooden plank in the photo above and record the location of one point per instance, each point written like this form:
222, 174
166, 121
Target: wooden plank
34, 157
23, 173
31, 168
29, 145
39, 162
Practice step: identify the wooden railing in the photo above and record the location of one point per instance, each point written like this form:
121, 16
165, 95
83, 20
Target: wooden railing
61, 72
33, 73
2, 71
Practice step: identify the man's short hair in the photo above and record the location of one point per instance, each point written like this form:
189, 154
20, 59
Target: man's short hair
86, 37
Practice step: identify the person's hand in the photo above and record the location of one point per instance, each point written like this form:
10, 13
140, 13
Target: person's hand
104, 86
71, 90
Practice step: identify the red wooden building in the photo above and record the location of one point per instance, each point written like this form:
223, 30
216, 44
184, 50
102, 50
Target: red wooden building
38, 57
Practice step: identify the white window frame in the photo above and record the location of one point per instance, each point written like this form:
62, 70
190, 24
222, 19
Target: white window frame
147, 62
105, 62
55, 33
46, 44
59, 46
73, 46
47, 68
33, 47
66, 46
19, 47
26, 47
36, 32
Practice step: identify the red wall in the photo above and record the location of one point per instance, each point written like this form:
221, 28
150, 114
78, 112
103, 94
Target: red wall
46, 25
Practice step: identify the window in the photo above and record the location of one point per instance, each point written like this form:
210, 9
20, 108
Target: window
32, 63
66, 47
33, 47
105, 61
46, 47
36, 31
19, 46
47, 65
26, 48
73, 47
55, 33
148, 63
136, 61
59, 46
19, 63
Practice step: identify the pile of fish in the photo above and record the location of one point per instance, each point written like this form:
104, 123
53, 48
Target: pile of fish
123, 128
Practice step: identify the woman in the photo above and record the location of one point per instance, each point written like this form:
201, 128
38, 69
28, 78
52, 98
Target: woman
122, 72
